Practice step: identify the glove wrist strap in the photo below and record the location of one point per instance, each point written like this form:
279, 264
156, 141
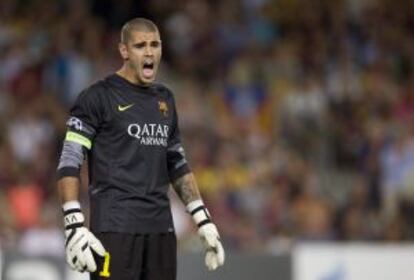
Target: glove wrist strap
73, 217
199, 212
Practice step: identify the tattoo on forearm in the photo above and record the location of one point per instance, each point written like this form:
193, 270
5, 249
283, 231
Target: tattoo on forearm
186, 188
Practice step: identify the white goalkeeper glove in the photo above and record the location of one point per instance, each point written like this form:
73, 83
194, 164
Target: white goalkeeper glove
208, 233
79, 240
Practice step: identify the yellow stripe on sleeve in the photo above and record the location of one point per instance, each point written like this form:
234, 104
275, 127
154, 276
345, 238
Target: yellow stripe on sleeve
77, 138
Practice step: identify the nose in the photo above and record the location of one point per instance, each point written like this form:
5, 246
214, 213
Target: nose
148, 51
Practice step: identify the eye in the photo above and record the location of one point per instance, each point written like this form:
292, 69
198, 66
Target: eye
155, 44
140, 45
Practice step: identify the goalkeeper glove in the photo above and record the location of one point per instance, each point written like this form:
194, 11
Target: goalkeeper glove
208, 233
79, 240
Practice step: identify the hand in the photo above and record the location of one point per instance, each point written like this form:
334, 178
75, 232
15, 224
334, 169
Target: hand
80, 242
208, 233
211, 241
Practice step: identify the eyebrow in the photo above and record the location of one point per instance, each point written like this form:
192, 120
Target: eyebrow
143, 43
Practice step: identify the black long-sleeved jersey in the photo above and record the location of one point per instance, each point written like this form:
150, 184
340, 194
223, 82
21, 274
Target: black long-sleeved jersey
131, 138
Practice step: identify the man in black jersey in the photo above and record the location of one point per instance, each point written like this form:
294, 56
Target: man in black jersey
127, 127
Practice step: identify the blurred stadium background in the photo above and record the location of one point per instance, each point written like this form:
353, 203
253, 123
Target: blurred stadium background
297, 117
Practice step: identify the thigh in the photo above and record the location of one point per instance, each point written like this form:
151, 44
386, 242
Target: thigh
160, 257
123, 260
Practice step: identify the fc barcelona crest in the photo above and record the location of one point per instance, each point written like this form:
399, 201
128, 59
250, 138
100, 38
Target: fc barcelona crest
162, 105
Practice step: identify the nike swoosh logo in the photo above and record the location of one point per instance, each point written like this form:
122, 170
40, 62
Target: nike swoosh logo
123, 108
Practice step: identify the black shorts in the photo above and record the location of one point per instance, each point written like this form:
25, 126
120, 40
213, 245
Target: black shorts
137, 257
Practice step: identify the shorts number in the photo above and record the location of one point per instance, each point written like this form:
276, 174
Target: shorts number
105, 270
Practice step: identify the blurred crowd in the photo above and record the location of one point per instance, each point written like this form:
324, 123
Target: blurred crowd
297, 116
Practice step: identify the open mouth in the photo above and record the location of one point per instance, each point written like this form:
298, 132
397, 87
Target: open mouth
148, 69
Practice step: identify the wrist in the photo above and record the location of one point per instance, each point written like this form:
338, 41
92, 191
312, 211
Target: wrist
73, 204
73, 216
199, 212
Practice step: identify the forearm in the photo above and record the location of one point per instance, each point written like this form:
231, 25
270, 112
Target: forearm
68, 188
80, 243
186, 188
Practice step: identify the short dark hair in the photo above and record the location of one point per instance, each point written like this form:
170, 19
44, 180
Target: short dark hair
137, 24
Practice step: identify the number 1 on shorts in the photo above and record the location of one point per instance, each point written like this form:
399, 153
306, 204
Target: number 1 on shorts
105, 269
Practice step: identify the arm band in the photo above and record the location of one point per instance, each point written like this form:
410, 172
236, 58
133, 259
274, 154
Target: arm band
70, 160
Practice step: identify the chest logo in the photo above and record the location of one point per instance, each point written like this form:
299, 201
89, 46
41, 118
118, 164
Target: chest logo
149, 134
124, 108
162, 105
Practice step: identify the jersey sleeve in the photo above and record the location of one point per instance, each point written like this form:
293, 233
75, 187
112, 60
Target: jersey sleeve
83, 122
176, 160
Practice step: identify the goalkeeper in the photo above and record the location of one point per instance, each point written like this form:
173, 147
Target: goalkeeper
126, 126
